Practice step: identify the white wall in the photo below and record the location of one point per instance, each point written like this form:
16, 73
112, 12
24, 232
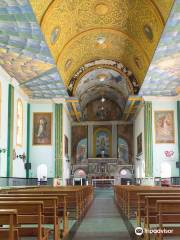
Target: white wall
161, 163
4, 79
159, 157
40, 154
18, 164
139, 128
67, 132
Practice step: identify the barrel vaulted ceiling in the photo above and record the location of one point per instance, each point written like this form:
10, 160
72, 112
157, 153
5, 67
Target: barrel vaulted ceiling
80, 33
130, 30
60, 48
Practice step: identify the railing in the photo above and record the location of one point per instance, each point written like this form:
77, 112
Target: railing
103, 182
103, 160
14, 181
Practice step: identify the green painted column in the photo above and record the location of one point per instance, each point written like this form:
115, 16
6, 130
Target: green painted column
178, 123
28, 138
58, 139
148, 139
10, 131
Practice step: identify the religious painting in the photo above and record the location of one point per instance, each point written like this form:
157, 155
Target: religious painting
81, 153
164, 126
79, 136
19, 123
139, 144
125, 143
66, 145
102, 143
98, 111
123, 149
42, 128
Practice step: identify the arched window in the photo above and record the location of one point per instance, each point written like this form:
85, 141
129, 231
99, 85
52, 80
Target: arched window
19, 123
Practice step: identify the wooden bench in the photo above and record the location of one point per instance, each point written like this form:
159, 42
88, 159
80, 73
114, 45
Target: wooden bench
143, 202
29, 212
78, 198
50, 208
168, 213
8, 217
73, 201
62, 203
126, 197
150, 217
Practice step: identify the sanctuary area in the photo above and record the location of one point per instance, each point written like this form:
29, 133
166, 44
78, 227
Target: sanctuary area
89, 119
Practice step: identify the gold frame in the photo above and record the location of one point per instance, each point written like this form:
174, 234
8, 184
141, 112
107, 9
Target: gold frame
51, 125
19, 100
94, 139
155, 127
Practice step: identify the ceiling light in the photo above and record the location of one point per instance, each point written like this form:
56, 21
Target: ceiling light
101, 39
101, 77
103, 99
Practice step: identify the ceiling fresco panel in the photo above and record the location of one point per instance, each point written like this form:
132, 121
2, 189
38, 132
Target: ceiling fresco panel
163, 76
24, 53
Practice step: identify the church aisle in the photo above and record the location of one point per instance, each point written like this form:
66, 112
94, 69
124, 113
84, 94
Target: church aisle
103, 220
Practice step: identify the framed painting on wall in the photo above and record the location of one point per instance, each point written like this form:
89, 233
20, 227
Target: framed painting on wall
164, 126
102, 143
42, 128
139, 144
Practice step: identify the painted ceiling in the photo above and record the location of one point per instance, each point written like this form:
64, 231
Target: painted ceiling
58, 48
105, 82
24, 53
163, 76
80, 33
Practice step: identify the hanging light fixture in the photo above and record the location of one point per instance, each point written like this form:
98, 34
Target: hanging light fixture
103, 99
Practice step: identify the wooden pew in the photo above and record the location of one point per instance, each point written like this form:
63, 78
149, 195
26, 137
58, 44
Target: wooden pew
62, 203
29, 212
150, 218
74, 200
127, 199
8, 217
78, 197
50, 208
143, 202
168, 213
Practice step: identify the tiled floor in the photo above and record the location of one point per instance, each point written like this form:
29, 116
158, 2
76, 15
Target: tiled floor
103, 220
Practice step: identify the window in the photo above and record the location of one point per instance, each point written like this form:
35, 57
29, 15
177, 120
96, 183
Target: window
19, 123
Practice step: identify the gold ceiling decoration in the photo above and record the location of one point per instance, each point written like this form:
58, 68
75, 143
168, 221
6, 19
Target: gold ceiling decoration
131, 28
55, 34
101, 9
120, 48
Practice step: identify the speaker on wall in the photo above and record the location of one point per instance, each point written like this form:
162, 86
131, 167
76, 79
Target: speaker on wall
178, 164
27, 166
